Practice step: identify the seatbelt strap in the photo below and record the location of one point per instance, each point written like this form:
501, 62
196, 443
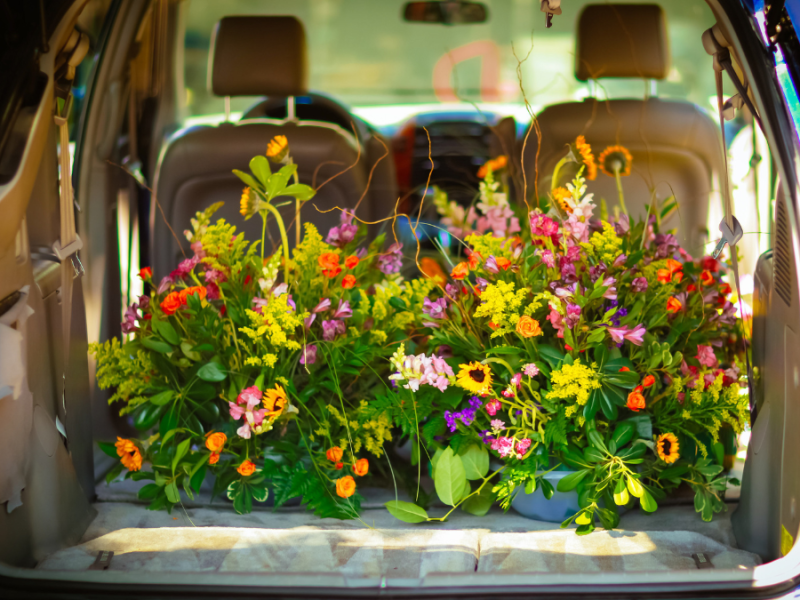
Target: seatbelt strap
66, 248
732, 232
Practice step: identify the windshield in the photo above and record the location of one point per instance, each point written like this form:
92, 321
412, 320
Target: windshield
363, 53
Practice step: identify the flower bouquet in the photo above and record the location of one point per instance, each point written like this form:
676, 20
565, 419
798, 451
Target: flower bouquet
257, 367
595, 345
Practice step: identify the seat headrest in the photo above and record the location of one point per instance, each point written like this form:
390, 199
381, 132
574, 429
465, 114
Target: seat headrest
622, 40
258, 56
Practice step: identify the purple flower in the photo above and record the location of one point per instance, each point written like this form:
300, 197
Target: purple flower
434, 309
639, 285
330, 329
666, 244
452, 290
144, 302
620, 260
343, 311
323, 305
573, 315
361, 253
291, 303
391, 261
486, 436
309, 356
345, 233
129, 321
164, 285
466, 416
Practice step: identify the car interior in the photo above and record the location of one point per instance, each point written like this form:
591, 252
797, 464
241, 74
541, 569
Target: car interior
170, 97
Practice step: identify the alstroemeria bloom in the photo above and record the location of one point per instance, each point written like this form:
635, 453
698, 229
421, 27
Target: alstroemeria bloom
323, 305
391, 261
611, 292
330, 329
343, 311
706, 356
573, 315
634, 336
435, 309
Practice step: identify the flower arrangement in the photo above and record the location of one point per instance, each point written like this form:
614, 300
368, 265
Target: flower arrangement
595, 345
257, 367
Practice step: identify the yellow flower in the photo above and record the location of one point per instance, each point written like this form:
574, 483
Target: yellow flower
668, 447
275, 401
607, 245
585, 150
474, 377
615, 158
560, 195
573, 381
278, 148
248, 205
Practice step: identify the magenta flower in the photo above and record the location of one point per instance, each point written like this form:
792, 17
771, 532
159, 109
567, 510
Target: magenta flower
345, 233
436, 309
308, 321
611, 291
184, 268
620, 261
503, 446
548, 258
330, 329
309, 356
542, 225
636, 335
706, 356
213, 291
522, 447
215, 276
323, 305
573, 315
639, 285
343, 311
493, 406
391, 261
129, 321
516, 379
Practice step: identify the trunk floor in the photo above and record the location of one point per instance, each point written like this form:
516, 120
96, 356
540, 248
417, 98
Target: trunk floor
203, 538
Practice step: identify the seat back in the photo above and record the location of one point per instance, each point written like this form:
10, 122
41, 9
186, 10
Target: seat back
675, 146
195, 167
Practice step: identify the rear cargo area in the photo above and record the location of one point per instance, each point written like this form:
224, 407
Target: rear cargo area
210, 537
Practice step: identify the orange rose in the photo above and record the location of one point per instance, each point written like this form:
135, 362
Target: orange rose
213, 458
246, 469
348, 282
503, 263
334, 454
351, 262
673, 305
664, 276
361, 467
474, 260
528, 327
190, 291
345, 487
171, 303
215, 441
673, 265
145, 274
707, 278
635, 399
460, 271
329, 263
648, 381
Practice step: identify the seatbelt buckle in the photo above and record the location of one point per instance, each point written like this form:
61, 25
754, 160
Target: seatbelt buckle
70, 251
728, 237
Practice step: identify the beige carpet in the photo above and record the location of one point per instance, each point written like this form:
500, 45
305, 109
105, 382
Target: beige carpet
218, 540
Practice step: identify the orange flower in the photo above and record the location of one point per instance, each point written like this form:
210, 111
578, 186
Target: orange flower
636, 399
278, 148
129, 454
673, 265
145, 274
246, 469
213, 458
673, 305
615, 159
648, 381
338, 466
351, 261
560, 196
431, 269
691, 287
215, 441
495, 164
190, 291
334, 454
725, 289
707, 278
329, 262
528, 327
624, 369
348, 282
346, 486
460, 271
274, 400
171, 303
585, 150
474, 260
361, 467
664, 276
678, 277
503, 263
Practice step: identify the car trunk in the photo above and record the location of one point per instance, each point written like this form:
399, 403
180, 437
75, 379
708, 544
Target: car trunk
61, 537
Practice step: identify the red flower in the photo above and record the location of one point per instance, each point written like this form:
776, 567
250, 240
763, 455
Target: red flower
636, 399
339, 466
648, 381
171, 303
348, 282
351, 262
707, 278
247, 280
692, 287
725, 289
710, 264
624, 369
673, 305
678, 277
145, 273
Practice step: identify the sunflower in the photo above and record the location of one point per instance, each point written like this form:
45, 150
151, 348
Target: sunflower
667, 447
475, 377
493, 164
278, 148
275, 400
585, 150
560, 195
129, 454
615, 158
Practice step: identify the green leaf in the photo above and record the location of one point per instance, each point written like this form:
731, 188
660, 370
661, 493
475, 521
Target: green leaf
476, 462
504, 350
449, 477
260, 492
644, 426
596, 440
551, 355
623, 433
183, 447
186, 347
167, 331
248, 179
157, 345
547, 488
173, 495
259, 165
162, 398
300, 191
648, 502
149, 491
211, 372
277, 181
108, 448
675, 471
406, 511
634, 487
621, 496
169, 420
592, 405
530, 485
570, 482
198, 475
114, 473
710, 471
479, 504
607, 404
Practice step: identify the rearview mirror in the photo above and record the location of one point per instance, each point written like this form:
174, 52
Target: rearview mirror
447, 12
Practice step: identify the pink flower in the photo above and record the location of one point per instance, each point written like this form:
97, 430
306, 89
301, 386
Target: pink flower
244, 431
497, 425
309, 356
617, 333
214, 276
611, 292
522, 447
323, 305
547, 258
308, 321
493, 406
531, 370
573, 315
706, 356
197, 248
213, 291
166, 282
636, 335
250, 396
343, 311
543, 225
515, 380
556, 321
578, 229
236, 411
503, 446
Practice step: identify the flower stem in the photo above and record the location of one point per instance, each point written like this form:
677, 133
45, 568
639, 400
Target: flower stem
284, 240
619, 190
